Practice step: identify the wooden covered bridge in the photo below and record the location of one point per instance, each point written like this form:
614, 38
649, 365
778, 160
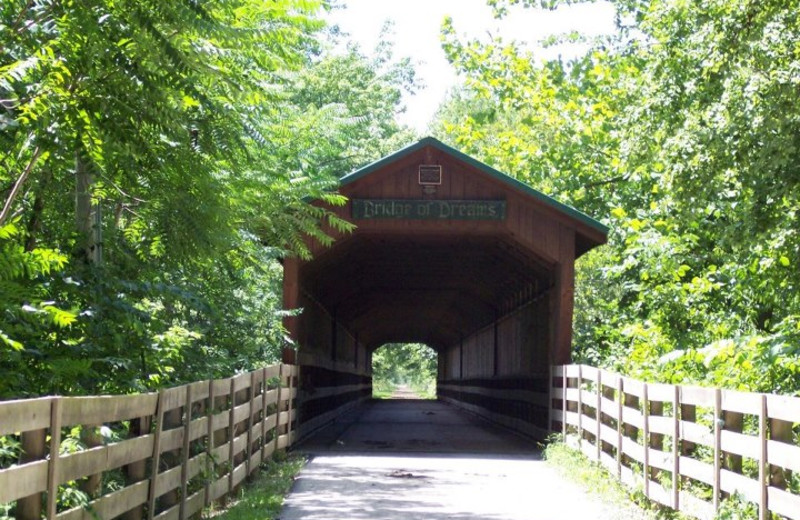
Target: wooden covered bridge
451, 253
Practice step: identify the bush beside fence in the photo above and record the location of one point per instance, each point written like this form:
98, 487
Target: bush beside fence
686, 447
174, 452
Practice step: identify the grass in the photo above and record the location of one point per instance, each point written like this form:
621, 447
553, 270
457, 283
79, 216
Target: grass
598, 481
262, 499
382, 389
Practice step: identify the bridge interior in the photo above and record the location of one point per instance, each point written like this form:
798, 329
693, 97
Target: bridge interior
451, 253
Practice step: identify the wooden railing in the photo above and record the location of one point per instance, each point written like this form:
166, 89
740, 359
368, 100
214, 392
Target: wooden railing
686, 447
168, 454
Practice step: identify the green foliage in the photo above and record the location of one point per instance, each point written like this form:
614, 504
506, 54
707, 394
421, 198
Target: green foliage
595, 479
263, 498
201, 131
680, 132
411, 364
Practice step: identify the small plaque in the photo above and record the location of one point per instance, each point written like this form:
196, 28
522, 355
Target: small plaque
430, 174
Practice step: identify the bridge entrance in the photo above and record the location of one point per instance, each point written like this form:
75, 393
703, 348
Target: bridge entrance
450, 253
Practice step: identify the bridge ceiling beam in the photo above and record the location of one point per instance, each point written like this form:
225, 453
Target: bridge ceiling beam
425, 289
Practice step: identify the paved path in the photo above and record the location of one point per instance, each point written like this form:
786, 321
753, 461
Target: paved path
412, 459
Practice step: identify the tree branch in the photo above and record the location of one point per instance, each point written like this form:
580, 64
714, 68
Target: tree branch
18, 185
612, 180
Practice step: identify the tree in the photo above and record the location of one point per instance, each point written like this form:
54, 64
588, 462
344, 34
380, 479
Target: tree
177, 140
679, 131
412, 364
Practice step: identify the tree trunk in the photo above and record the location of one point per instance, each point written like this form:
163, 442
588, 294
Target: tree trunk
87, 215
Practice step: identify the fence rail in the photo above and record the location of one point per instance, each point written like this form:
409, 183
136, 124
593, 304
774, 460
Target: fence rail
169, 453
681, 443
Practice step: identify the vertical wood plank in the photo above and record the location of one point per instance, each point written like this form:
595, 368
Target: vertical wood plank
550, 403
676, 461
564, 400
210, 412
278, 407
34, 447
264, 414
646, 439
290, 405
291, 294
718, 423
620, 422
580, 406
55, 454
151, 495
253, 396
597, 411
231, 434
763, 468
187, 424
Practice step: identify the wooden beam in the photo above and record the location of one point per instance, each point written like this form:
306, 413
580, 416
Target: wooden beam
563, 300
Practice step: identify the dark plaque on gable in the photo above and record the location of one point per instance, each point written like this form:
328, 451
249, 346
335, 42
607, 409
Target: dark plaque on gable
412, 209
430, 174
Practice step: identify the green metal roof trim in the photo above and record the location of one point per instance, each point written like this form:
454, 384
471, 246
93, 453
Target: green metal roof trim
485, 168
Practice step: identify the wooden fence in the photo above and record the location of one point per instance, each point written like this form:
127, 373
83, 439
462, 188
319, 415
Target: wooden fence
163, 455
686, 447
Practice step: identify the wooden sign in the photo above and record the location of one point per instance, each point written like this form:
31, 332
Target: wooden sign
375, 209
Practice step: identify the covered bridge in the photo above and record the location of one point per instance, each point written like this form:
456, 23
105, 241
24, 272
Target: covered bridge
451, 253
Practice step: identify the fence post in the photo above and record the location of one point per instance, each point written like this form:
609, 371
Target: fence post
718, 423
276, 430
34, 446
151, 495
231, 436
580, 406
550, 405
252, 399
620, 422
185, 454
264, 414
564, 401
210, 466
290, 406
55, 454
646, 440
676, 453
763, 468
597, 414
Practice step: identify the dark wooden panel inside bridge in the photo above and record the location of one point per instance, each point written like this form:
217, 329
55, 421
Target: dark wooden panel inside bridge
430, 289
449, 252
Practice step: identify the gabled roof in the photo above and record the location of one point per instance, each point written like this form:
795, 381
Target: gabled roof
485, 168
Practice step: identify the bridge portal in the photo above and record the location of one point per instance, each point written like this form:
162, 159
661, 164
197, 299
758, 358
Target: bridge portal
451, 253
